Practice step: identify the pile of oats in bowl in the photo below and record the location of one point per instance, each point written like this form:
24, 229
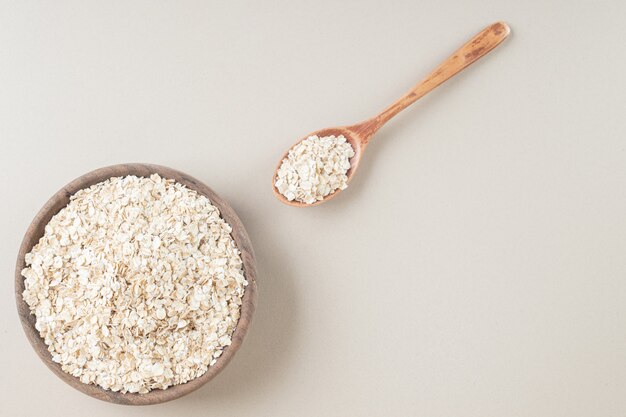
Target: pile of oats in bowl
315, 168
136, 284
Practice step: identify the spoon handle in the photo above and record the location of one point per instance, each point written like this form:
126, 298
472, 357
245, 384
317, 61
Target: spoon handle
477, 47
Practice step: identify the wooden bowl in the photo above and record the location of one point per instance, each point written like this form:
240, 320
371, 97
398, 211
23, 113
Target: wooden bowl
61, 199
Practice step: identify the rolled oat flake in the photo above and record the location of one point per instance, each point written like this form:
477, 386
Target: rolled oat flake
136, 284
314, 168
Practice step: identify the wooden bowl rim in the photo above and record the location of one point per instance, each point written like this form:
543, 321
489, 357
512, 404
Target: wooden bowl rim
59, 200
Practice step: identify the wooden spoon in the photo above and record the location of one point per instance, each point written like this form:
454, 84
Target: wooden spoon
360, 134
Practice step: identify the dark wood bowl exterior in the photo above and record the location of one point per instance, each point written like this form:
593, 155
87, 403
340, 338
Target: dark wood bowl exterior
61, 199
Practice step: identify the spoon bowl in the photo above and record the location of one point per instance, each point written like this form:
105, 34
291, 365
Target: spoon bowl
353, 137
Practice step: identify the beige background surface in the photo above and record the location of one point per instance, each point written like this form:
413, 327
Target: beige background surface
475, 267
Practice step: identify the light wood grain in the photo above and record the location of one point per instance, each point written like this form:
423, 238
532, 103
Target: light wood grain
60, 200
360, 134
